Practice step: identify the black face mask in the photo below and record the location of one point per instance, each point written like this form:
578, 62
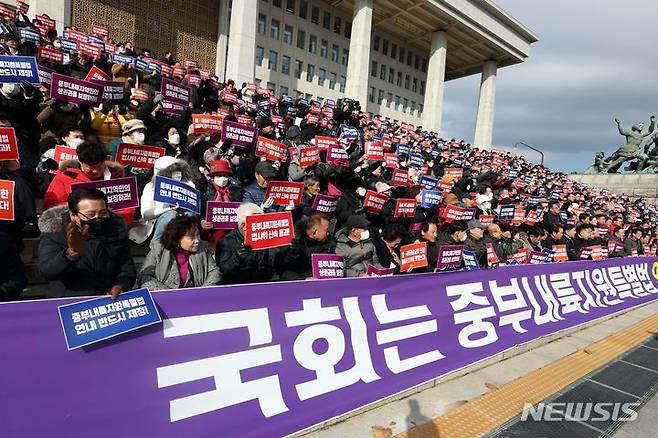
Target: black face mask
96, 225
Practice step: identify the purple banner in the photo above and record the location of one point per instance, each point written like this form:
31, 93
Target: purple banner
450, 256
222, 215
327, 266
337, 155
121, 192
113, 92
241, 359
241, 135
175, 92
46, 76
325, 204
376, 272
75, 90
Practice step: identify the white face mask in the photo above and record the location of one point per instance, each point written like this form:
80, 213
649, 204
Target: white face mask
176, 175
235, 160
57, 44
361, 191
464, 236
139, 138
174, 139
75, 142
10, 90
221, 181
365, 235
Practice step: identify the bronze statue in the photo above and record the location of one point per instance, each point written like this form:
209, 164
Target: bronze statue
599, 165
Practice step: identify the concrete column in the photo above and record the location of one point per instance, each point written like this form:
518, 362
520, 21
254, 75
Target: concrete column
436, 73
358, 65
240, 62
222, 40
58, 10
485, 117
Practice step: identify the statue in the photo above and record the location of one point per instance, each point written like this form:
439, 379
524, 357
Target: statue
630, 152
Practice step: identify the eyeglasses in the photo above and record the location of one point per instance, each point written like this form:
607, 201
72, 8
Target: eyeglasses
100, 215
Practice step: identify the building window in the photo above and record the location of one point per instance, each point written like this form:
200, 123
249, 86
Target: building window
348, 29
346, 56
332, 80
413, 106
303, 8
414, 85
313, 44
310, 73
274, 29
407, 80
391, 75
399, 81
375, 44
394, 51
287, 34
417, 62
276, 3
271, 86
401, 58
382, 73
338, 24
343, 79
257, 81
326, 20
373, 69
406, 104
334, 53
274, 58
301, 39
299, 67
409, 58
290, 6
315, 14
397, 102
380, 97
389, 99
322, 75
260, 54
324, 49
424, 65
262, 23
371, 94
385, 47
283, 90
285, 65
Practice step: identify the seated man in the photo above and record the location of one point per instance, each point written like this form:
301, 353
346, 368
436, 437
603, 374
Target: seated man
86, 246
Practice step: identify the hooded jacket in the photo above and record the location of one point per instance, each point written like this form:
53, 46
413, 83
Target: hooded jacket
160, 270
107, 260
358, 255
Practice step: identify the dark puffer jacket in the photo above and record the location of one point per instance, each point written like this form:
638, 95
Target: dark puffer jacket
107, 260
239, 267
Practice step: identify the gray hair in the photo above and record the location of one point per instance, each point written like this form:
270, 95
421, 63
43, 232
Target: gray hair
309, 180
247, 209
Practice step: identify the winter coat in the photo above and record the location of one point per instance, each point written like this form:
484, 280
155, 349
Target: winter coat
160, 270
478, 247
295, 262
256, 266
358, 255
630, 243
107, 127
12, 271
254, 193
107, 260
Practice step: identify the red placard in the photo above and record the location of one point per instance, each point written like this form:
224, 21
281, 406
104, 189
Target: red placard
189, 63
63, 153
6, 200
400, 177
8, 144
270, 149
374, 202
166, 69
374, 151
492, 257
519, 216
77, 36
205, 74
391, 160
51, 55
596, 252
139, 156
206, 124
452, 213
324, 142
96, 74
245, 120
194, 80
284, 191
139, 94
445, 185
22, 6
454, 172
309, 156
405, 208
486, 219
99, 30
560, 253
269, 230
521, 256
413, 256
179, 71
8, 10
89, 49
229, 97
46, 21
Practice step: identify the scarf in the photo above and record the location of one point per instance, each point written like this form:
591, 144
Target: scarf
183, 262
221, 193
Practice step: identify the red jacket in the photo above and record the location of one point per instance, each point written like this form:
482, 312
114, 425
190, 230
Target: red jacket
60, 187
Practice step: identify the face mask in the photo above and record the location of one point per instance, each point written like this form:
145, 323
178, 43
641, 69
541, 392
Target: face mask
463, 239
10, 90
221, 181
365, 235
174, 139
235, 160
96, 225
139, 138
176, 175
361, 191
75, 142
57, 44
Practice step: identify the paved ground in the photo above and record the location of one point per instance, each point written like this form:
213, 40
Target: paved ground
646, 425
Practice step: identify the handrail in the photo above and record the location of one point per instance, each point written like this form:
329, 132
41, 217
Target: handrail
533, 148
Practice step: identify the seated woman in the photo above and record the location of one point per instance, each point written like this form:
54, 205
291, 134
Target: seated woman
179, 259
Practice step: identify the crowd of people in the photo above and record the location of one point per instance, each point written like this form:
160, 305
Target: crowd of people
497, 205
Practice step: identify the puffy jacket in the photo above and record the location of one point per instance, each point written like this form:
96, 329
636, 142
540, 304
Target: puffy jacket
254, 193
160, 270
358, 255
107, 260
254, 266
107, 127
295, 262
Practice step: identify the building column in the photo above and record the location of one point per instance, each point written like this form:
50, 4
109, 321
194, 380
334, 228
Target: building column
241, 59
358, 65
436, 73
58, 10
485, 117
222, 40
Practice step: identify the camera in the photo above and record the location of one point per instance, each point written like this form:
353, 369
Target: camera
352, 105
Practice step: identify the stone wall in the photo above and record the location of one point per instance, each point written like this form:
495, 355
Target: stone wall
635, 186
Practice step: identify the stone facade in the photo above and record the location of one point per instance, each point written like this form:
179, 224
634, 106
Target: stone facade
633, 185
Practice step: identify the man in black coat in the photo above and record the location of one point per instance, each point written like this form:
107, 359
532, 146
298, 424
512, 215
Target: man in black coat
86, 246
311, 237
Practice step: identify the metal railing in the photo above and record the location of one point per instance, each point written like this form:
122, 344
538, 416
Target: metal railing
516, 145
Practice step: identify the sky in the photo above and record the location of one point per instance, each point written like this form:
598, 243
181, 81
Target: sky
595, 60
